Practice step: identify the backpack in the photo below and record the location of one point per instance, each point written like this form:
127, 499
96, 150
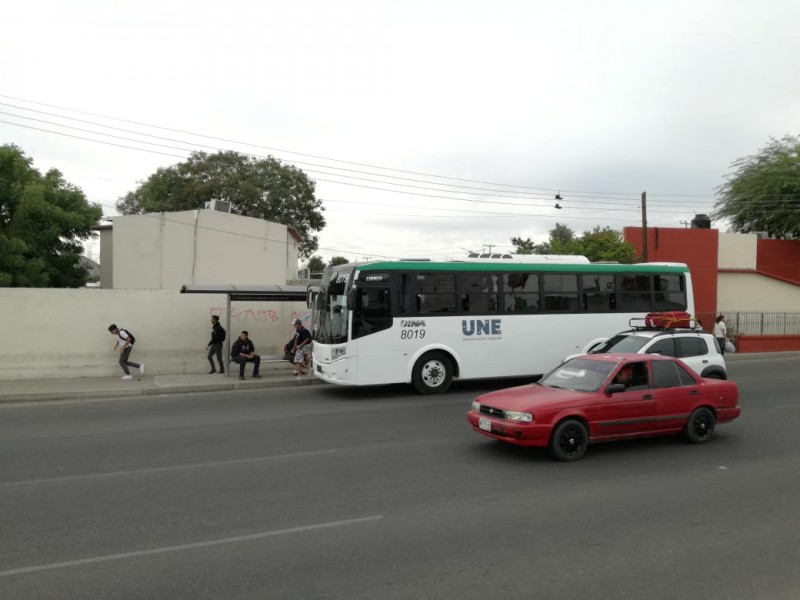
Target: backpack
130, 335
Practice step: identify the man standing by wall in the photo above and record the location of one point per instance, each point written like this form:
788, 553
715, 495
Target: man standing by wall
124, 344
215, 345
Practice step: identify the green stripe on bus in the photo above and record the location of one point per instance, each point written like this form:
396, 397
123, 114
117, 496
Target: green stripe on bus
525, 267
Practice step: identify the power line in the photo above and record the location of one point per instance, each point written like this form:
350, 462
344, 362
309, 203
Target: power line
472, 200
531, 189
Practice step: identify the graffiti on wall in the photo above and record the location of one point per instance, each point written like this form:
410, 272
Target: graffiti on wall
246, 314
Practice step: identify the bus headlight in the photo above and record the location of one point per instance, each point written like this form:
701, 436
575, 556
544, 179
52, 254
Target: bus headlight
339, 352
515, 415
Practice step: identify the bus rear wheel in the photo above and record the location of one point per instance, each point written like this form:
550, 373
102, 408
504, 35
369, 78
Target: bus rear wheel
433, 373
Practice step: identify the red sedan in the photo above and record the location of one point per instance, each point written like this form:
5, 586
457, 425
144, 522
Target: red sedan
604, 397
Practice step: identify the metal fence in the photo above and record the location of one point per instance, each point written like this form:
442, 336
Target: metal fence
762, 323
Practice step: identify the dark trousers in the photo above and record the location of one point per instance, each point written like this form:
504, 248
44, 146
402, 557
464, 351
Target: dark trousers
721, 342
216, 349
125, 363
256, 360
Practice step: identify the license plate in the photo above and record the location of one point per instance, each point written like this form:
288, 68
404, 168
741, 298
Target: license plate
484, 424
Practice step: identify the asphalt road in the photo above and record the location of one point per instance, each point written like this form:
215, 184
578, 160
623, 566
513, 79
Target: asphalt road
325, 492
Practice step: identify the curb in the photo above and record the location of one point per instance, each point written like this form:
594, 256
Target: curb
155, 390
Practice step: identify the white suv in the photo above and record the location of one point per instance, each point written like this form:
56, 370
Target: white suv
697, 348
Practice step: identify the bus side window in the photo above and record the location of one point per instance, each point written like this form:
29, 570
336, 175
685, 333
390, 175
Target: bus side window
521, 292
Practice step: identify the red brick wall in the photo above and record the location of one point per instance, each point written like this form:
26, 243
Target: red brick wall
780, 258
768, 343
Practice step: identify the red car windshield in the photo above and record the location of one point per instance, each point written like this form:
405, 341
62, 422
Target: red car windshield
579, 374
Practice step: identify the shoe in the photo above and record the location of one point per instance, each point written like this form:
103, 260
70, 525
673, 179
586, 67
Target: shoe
126, 377
221, 372
141, 369
212, 371
256, 376
241, 378
296, 374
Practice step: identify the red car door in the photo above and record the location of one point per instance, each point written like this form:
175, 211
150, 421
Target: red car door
625, 413
676, 392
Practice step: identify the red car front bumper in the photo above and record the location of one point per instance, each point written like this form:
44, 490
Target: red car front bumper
513, 432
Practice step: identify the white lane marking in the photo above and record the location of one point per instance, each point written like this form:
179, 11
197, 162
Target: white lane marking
182, 547
218, 463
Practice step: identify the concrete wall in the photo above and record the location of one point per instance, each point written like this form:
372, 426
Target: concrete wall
751, 292
737, 250
163, 251
54, 333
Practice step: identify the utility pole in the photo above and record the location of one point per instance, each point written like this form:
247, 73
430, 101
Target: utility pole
644, 226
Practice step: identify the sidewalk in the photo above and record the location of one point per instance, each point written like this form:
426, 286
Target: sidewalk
35, 390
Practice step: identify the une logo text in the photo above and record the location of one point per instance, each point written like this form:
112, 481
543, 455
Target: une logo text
484, 327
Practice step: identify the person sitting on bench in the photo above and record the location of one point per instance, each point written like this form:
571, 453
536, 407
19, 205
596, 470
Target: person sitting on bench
243, 352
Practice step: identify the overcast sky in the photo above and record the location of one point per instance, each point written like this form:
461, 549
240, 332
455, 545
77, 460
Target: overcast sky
430, 126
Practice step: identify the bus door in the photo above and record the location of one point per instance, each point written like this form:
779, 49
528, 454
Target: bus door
372, 317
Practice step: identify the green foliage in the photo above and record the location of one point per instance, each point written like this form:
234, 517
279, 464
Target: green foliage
263, 188
338, 260
316, 264
762, 193
596, 245
42, 220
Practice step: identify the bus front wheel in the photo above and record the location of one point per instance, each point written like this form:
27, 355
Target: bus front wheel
433, 373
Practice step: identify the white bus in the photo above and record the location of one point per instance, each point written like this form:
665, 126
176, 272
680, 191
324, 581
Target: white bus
426, 323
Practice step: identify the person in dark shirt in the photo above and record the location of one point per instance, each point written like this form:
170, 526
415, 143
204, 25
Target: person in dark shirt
301, 348
243, 352
215, 345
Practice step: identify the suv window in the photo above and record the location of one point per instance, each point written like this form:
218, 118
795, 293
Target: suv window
664, 347
691, 346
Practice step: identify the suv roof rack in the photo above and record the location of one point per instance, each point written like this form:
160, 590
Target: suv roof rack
665, 321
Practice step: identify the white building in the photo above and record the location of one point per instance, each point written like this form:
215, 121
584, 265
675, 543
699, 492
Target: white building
163, 251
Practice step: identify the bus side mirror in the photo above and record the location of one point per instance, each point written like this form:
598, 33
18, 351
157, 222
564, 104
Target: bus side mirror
351, 298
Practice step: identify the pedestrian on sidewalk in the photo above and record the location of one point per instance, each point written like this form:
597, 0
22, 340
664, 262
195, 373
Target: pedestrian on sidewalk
301, 348
721, 333
243, 352
124, 345
215, 345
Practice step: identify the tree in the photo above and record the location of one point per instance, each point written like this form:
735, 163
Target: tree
263, 188
338, 260
42, 220
316, 264
599, 244
606, 244
762, 193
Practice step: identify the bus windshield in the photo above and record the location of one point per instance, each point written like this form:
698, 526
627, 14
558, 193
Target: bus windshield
330, 309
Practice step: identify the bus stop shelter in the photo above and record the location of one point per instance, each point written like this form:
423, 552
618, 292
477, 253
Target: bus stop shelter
247, 293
